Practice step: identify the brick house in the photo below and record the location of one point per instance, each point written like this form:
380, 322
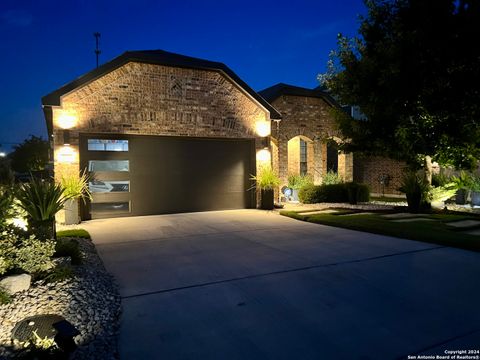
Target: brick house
165, 133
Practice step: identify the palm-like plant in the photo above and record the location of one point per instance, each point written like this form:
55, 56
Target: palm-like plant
41, 200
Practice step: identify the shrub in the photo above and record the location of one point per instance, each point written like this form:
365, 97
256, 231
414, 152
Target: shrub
34, 256
308, 194
357, 192
442, 193
296, 181
41, 200
440, 179
331, 178
59, 273
7, 210
74, 233
25, 253
334, 193
68, 247
416, 189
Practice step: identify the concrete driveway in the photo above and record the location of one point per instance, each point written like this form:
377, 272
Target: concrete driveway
249, 284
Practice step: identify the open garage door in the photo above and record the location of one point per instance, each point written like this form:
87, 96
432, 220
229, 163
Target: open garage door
146, 175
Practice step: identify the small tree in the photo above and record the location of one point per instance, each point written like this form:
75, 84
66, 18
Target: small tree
31, 155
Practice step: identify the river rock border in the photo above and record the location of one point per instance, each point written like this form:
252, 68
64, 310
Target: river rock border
89, 300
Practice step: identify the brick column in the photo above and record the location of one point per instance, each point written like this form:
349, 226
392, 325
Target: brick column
283, 161
318, 156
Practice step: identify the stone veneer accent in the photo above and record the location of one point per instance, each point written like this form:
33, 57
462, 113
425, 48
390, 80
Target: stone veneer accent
150, 99
310, 118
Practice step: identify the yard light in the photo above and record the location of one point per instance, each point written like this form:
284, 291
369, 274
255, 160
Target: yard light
2, 154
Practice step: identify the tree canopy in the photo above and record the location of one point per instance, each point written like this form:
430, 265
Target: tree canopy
414, 71
30, 155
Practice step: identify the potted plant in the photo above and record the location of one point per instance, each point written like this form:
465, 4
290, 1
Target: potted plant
266, 181
463, 184
475, 188
416, 189
75, 189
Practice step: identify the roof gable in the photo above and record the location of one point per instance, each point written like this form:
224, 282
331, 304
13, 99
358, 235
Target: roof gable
159, 57
274, 92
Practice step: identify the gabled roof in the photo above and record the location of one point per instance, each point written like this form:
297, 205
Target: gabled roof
273, 92
159, 57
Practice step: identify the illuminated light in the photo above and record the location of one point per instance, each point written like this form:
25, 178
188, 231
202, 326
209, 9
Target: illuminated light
19, 223
263, 155
66, 154
263, 128
2, 154
66, 121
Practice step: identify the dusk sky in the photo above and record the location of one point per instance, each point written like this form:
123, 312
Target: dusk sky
45, 44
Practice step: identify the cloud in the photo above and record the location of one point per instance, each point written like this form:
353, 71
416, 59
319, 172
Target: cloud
16, 18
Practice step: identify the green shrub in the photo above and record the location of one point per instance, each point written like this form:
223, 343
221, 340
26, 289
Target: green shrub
416, 189
59, 273
442, 193
34, 255
334, 193
7, 210
357, 192
68, 247
5, 297
19, 252
308, 194
463, 181
331, 178
297, 181
440, 179
41, 200
74, 233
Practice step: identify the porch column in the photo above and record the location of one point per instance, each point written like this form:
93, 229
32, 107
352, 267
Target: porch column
317, 161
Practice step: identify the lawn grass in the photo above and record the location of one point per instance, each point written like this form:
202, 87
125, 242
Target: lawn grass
77, 233
435, 232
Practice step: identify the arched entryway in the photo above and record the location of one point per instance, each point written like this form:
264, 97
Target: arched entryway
300, 156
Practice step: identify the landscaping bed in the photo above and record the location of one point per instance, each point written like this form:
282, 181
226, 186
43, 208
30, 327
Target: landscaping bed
443, 228
88, 299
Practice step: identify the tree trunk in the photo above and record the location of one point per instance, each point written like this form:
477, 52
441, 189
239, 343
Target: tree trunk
428, 169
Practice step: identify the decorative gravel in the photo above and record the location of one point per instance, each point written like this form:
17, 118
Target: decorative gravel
89, 300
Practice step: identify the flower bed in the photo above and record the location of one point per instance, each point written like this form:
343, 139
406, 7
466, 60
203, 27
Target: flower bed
89, 300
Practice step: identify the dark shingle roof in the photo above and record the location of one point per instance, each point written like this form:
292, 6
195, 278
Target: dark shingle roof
156, 57
275, 91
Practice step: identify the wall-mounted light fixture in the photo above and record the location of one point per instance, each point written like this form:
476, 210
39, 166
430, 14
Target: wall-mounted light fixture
263, 128
263, 156
66, 137
66, 154
66, 121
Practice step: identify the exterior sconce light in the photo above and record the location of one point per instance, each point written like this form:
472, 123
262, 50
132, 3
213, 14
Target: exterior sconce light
263, 128
66, 154
66, 137
263, 155
66, 121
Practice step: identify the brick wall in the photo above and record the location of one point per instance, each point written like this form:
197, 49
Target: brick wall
369, 169
311, 118
149, 99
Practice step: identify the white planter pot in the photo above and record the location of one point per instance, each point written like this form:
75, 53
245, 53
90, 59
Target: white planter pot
72, 216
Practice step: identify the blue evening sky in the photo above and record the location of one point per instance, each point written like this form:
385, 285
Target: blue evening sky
47, 43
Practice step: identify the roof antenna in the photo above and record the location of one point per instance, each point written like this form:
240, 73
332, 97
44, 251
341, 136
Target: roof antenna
97, 50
